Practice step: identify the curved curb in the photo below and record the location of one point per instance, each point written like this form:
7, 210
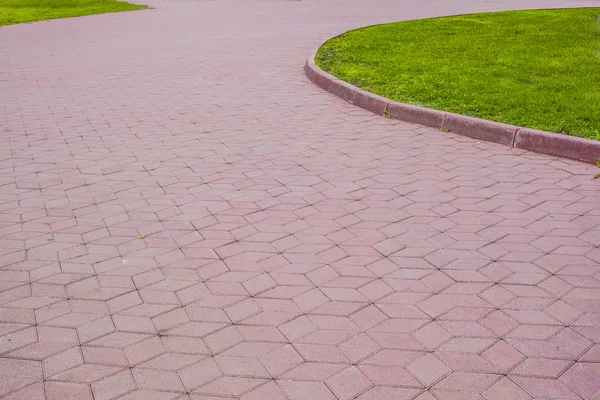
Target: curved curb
554, 144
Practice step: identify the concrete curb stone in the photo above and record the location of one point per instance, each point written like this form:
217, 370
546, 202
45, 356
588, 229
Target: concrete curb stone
549, 143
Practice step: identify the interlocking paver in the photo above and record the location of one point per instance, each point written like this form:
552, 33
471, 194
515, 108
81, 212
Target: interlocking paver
183, 215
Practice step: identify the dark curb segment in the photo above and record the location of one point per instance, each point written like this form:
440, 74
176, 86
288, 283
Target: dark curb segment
480, 129
554, 144
419, 115
549, 143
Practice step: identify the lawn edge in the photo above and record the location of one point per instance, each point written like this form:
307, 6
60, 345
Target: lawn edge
142, 8
554, 144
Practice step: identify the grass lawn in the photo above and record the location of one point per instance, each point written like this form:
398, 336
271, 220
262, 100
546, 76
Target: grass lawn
538, 69
19, 11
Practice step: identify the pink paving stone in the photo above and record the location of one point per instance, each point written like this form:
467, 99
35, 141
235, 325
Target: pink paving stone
301, 390
196, 329
250, 162
390, 393
393, 357
67, 391
170, 319
390, 376
171, 362
327, 337
252, 349
31, 392
119, 340
223, 339
503, 355
185, 345
150, 395
24, 369
145, 350
269, 391
499, 323
581, 380
534, 332
368, 317
432, 335
339, 308
592, 355
467, 381
400, 325
281, 360
541, 368
205, 314
11, 384
271, 318
571, 342
348, 383
544, 388
466, 329
375, 290
467, 362
562, 312
428, 369
87, 373
594, 367
359, 347
60, 362
230, 386
310, 371
539, 349
400, 341
398, 311
298, 328
310, 300
35, 351
264, 333
497, 295
505, 389
467, 345
434, 306
238, 366
52, 334
199, 374
321, 353
157, 380
243, 310
114, 386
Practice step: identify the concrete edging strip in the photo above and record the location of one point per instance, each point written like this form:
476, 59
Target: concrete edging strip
553, 144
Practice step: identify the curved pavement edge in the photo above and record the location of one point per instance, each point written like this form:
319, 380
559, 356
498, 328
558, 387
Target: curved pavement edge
553, 144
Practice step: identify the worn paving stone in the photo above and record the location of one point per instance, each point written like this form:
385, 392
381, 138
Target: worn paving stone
183, 215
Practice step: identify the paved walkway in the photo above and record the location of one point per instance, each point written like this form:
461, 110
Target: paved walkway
185, 216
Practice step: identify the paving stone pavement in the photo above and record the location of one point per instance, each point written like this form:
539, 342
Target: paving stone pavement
183, 215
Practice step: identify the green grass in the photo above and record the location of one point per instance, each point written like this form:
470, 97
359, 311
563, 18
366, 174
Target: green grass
538, 69
19, 11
